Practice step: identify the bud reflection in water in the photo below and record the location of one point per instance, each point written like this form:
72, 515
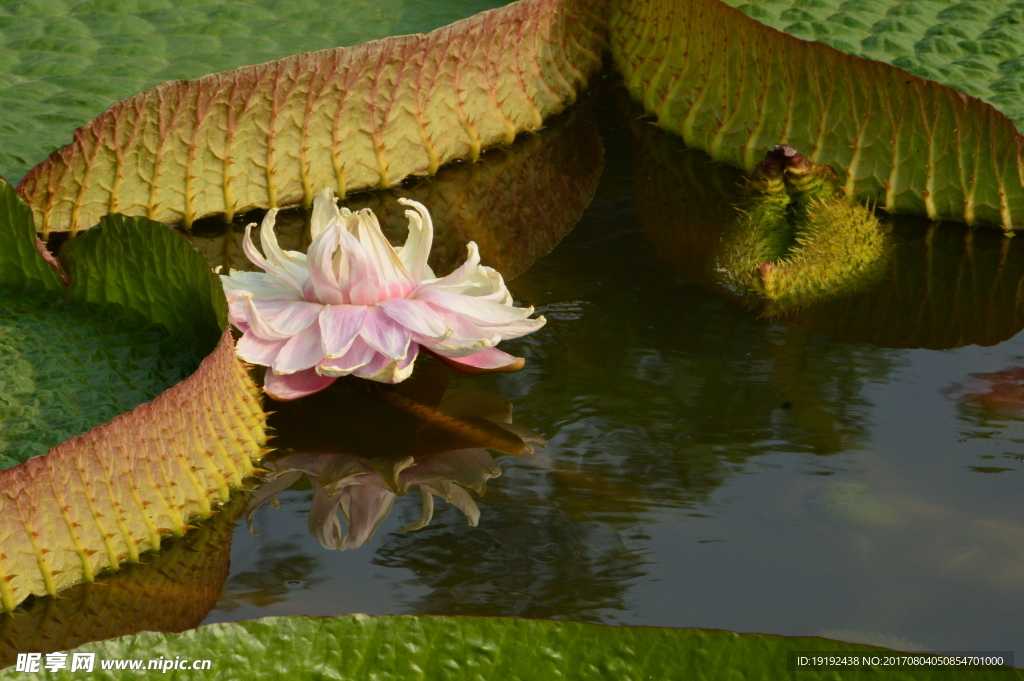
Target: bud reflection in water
363, 445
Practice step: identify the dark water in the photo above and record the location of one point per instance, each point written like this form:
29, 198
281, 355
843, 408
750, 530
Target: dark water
850, 469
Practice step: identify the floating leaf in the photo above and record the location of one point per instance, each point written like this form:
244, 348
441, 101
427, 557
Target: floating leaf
63, 62
942, 286
516, 203
359, 647
734, 87
123, 336
171, 591
275, 134
974, 47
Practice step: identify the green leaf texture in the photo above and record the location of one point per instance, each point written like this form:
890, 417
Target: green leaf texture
64, 62
171, 591
410, 648
976, 47
64, 370
150, 272
22, 267
348, 118
943, 286
734, 87
516, 203
129, 471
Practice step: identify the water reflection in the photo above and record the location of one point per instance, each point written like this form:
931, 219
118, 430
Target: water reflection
516, 203
654, 396
171, 590
705, 466
943, 285
362, 444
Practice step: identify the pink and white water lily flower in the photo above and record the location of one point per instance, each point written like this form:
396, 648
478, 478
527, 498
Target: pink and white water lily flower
356, 305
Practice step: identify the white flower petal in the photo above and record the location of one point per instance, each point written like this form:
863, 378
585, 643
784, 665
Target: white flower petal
394, 281
463, 272
417, 246
262, 285
325, 211
475, 310
358, 354
417, 316
386, 370
291, 261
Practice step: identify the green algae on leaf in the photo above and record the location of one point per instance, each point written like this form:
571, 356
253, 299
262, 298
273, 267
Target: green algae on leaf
410, 648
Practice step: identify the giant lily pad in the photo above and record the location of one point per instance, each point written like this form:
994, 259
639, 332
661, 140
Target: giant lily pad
361, 647
100, 367
733, 87
63, 62
275, 134
974, 47
171, 591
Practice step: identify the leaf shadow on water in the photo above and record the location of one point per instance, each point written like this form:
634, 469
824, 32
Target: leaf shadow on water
170, 590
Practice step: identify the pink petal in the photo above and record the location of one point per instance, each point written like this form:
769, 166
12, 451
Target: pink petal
358, 354
339, 326
394, 279
476, 310
301, 351
384, 334
258, 324
285, 387
322, 277
256, 350
364, 288
287, 317
416, 316
491, 360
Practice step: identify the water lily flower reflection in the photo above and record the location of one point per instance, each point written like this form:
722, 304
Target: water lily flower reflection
356, 305
445, 457
346, 483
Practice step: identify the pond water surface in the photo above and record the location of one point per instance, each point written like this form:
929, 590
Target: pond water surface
851, 469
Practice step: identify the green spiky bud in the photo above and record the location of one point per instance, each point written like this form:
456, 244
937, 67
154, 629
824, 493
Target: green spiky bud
796, 236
